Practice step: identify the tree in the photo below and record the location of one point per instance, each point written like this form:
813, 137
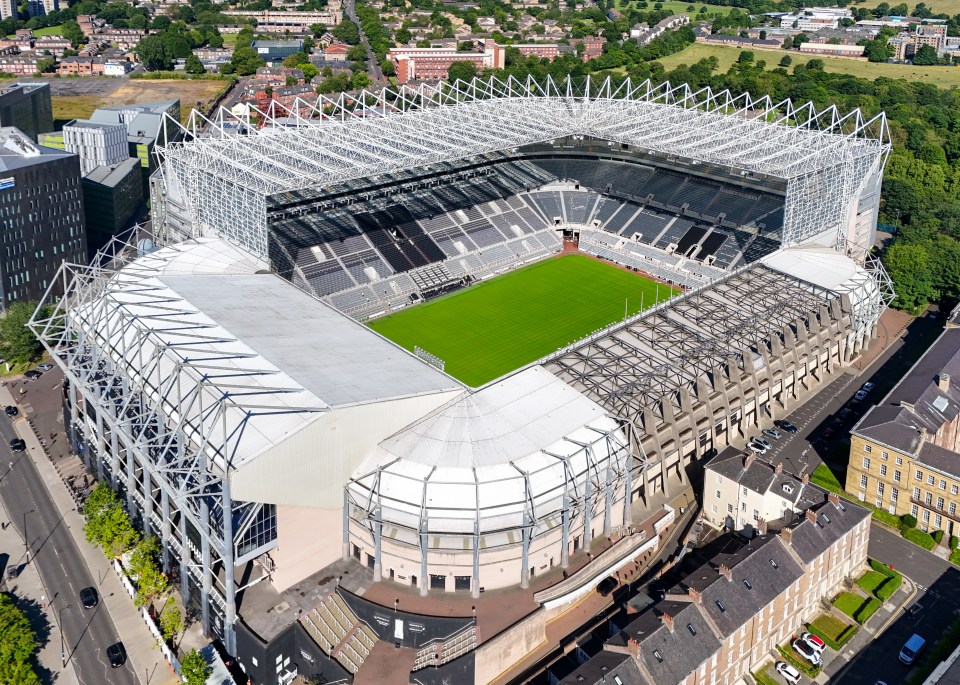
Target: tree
309, 71
926, 56
246, 61
461, 71
318, 29
347, 32
71, 31
17, 342
403, 36
361, 80
909, 266
108, 525
153, 54
194, 668
786, 61
745, 57
46, 65
161, 23
18, 645
194, 66
357, 53
171, 620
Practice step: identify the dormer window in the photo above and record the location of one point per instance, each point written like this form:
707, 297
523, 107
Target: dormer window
658, 656
787, 488
720, 606
746, 584
774, 563
693, 631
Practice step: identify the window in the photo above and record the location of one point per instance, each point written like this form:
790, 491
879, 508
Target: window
880, 488
938, 520
729, 508
718, 494
743, 506
930, 479
896, 476
719, 479
899, 461
914, 510
894, 493
884, 455
926, 516
952, 508
867, 449
744, 492
927, 498
756, 514
953, 490
939, 502
714, 508
866, 462
863, 481
883, 469
916, 493
919, 475
942, 484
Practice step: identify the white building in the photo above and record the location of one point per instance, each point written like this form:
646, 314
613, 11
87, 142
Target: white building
116, 68
815, 18
97, 144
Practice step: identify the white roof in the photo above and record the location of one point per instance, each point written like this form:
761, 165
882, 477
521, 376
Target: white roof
503, 422
822, 266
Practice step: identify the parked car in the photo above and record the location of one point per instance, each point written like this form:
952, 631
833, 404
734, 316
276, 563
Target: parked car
89, 598
789, 673
785, 425
814, 641
761, 441
607, 585
11, 410
117, 654
756, 449
772, 433
32, 374
911, 649
46, 366
18, 445
807, 652
867, 387
860, 396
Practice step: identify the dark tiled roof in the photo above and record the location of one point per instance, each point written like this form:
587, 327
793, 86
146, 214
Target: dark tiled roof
917, 401
761, 477
602, 668
833, 520
670, 656
939, 458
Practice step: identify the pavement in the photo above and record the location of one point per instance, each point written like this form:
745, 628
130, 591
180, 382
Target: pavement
38, 501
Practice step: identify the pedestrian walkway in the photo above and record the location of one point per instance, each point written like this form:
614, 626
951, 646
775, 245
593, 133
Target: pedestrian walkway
149, 665
41, 608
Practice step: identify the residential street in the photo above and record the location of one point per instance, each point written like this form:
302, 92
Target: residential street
87, 632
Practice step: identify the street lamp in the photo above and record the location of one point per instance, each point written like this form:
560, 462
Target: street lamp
63, 652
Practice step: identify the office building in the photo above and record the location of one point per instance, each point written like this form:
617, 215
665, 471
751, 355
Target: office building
27, 106
112, 200
41, 215
146, 122
97, 144
433, 64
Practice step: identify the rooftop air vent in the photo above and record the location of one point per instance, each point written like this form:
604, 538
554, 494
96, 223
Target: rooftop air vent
658, 656
693, 631
773, 562
747, 584
720, 607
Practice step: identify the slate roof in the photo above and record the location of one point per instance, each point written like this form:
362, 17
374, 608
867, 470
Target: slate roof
605, 668
917, 401
833, 520
761, 476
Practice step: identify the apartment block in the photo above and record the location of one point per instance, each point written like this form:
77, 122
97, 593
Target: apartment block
27, 106
112, 200
724, 619
39, 8
41, 215
8, 9
96, 143
432, 64
542, 50
905, 451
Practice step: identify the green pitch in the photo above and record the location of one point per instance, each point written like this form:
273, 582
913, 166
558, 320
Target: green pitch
499, 325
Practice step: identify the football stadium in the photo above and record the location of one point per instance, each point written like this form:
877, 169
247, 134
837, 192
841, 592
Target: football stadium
418, 368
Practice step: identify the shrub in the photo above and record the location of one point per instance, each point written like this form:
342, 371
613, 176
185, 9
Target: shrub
856, 607
881, 581
833, 631
937, 536
954, 542
955, 557
871, 580
889, 588
880, 567
788, 655
908, 521
918, 537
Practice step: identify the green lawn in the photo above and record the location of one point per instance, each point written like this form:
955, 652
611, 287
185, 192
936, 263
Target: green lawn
680, 7
833, 631
936, 6
856, 607
727, 55
499, 325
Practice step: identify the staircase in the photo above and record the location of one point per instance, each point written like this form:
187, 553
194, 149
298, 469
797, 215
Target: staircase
339, 633
440, 652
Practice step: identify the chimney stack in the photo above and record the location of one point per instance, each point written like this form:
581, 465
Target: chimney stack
811, 515
695, 595
667, 620
726, 572
833, 498
805, 480
943, 381
786, 536
778, 469
748, 461
761, 526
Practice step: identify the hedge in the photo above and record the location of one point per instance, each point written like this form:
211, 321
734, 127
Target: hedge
918, 537
832, 631
954, 542
856, 607
799, 664
937, 536
881, 581
889, 588
870, 581
955, 557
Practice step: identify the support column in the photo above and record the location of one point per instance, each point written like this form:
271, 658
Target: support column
587, 510
345, 552
131, 482
229, 583
147, 502
423, 560
377, 563
184, 560
628, 488
475, 587
114, 453
608, 500
565, 526
525, 555
165, 529
206, 572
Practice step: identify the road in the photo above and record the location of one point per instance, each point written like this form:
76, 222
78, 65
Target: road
937, 604
376, 73
87, 632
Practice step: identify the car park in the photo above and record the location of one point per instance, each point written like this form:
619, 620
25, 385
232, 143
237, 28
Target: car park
772, 433
607, 585
11, 410
117, 654
18, 445
789, 673
89, 598
861, 395
761, 441
814, 641
807, 652
785, 425
756, 449
46, 366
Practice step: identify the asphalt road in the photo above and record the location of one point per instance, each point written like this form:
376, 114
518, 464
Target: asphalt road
372, 65
937, 604
87, 632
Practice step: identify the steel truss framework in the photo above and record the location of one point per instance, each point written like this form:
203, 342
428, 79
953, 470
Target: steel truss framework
706, 336
164, 410
224, 176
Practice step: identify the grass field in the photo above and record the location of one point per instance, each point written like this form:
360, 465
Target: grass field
950, 7
680, 7
129, 91
944, 77
501, 324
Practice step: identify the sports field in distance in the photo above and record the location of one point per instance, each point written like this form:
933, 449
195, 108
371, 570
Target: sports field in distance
498, 325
